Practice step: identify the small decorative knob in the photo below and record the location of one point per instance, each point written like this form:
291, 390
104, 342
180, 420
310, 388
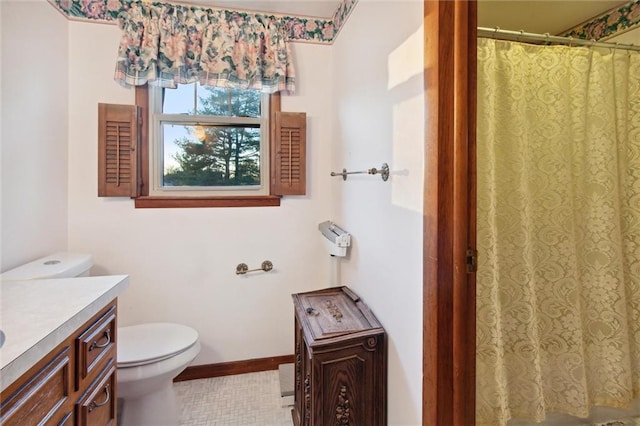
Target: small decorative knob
267, 266
241, 269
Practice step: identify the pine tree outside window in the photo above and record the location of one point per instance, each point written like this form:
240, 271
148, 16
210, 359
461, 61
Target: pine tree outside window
208, 141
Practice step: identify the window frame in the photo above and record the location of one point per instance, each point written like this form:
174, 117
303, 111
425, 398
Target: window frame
148, 199
156, 149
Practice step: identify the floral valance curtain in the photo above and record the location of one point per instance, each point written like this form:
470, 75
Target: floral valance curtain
166, 45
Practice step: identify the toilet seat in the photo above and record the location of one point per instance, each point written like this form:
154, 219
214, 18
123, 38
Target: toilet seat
152, 342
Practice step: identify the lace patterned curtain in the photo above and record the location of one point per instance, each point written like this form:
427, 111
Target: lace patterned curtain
558, 285
166, 44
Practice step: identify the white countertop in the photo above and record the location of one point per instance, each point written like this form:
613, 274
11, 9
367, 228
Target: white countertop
37, 315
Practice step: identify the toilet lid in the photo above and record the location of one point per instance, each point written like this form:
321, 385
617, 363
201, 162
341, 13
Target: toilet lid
146, 343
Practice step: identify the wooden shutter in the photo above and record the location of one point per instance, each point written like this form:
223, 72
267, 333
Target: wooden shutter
288, 154
118, 136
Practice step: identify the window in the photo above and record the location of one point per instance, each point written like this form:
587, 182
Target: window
208, 141
240, 150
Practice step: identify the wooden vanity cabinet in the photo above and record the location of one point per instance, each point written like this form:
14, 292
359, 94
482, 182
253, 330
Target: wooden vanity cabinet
73, 385
340, 361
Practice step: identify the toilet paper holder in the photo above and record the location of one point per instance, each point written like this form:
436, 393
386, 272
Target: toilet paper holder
242, 268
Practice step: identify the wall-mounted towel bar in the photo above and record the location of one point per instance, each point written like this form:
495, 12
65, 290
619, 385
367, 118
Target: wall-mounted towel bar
383, 172
242, 268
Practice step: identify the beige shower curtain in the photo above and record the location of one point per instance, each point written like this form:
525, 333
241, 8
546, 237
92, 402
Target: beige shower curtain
558, 285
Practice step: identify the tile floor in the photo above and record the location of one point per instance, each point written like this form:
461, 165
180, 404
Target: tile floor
251, 399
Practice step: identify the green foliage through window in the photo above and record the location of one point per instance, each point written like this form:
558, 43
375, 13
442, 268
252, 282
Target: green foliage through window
219, 145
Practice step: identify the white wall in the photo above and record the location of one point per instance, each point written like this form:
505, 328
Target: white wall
379, 117
34, 131
182, 261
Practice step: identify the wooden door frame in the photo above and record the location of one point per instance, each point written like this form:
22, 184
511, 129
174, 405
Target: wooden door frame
448, 387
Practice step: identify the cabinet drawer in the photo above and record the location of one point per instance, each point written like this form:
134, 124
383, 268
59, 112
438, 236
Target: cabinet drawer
97, 407
40, 400
96, 346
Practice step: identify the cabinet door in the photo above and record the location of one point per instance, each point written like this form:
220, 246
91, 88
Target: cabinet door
97, 407
67, 420
42, 396
347, 387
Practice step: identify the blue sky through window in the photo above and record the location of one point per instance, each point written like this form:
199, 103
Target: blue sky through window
177, 101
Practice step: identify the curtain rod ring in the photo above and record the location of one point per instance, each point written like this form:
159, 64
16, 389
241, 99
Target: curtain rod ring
614, 49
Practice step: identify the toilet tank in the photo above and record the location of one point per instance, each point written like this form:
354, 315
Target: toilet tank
58, 265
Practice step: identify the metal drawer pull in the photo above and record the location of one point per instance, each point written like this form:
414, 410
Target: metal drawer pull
100, 404
107, 335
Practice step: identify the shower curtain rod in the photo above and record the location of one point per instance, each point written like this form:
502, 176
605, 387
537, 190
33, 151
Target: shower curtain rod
524, 36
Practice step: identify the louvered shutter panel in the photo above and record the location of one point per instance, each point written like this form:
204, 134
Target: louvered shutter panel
118, 136
289, 154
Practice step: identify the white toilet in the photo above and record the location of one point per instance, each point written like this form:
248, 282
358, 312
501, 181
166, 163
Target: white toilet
149, 355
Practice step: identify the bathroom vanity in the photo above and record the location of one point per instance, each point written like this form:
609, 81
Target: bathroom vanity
58, 362
340, 361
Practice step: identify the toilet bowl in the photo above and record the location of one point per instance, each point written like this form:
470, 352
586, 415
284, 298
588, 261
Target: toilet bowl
149, 355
